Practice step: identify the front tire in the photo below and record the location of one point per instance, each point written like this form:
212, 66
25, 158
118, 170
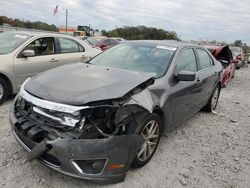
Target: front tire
3, 90
213, 100
150, 129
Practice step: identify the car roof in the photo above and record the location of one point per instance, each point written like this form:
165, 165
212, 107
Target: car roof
38, 33
172, 43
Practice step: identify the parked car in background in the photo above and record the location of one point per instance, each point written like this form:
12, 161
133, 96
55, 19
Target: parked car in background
225, 56
117, 107
119, 39
25, 54
238, 55
248, 58
103, 43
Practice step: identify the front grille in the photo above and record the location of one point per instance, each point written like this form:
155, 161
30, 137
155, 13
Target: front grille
31, 130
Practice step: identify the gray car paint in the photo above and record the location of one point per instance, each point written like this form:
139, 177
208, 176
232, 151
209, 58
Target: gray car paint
80, 83
174, 101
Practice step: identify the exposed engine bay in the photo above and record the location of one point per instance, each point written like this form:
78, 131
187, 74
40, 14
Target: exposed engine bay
95, 120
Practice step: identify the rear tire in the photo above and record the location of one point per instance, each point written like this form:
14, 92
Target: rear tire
3, 90
213, 100
150, 129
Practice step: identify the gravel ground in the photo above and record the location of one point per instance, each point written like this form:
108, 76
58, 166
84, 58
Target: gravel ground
209, 150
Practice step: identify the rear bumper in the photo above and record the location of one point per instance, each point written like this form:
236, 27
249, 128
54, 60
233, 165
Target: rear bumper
63, 154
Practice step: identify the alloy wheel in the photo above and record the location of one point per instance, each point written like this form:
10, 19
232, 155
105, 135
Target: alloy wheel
151, 135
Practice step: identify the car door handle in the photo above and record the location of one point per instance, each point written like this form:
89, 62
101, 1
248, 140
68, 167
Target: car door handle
53, 60
198, 81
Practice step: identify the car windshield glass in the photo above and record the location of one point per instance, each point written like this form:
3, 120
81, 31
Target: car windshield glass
93, 41
136, 57
10, 41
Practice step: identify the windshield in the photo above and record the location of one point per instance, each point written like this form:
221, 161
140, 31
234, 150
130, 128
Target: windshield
10, 41
136, 57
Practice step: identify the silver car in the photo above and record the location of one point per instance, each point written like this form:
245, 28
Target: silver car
24, 54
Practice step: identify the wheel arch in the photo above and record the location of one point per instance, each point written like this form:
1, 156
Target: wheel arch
8, 81
157, 110
219, 83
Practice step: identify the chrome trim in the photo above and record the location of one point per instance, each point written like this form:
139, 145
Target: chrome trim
80, 170
48, 104
71, 122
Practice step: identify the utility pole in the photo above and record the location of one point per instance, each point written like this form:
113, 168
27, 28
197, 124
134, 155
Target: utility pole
66, 20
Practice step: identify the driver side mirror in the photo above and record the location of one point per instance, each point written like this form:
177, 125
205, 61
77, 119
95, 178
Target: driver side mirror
28, 53
185, 76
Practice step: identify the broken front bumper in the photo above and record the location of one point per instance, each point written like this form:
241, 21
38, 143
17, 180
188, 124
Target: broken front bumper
99, 160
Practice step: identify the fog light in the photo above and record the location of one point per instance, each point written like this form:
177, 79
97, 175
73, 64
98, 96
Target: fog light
90, 167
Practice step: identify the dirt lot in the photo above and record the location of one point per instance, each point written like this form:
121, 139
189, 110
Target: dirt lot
207, 151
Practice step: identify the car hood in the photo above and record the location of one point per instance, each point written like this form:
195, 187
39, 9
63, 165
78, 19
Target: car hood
223, 53
80, 83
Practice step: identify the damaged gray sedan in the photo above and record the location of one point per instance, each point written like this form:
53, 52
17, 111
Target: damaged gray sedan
94, 120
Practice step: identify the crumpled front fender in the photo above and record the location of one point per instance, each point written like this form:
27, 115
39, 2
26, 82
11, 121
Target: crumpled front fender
118, 151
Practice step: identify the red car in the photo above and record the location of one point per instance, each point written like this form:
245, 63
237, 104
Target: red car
103, 43
225, 56
238, 55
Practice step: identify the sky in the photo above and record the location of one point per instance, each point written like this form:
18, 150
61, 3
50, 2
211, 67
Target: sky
222, 20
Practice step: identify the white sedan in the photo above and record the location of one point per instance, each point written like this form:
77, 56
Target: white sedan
24, 54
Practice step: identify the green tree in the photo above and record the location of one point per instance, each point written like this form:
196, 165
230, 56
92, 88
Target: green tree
141, 33
27, 24
238, 43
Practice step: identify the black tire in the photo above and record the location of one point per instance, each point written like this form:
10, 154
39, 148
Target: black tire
210, 105
137, 163
4, 88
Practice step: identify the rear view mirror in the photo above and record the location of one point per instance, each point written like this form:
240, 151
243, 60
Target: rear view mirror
185, 76
28, 53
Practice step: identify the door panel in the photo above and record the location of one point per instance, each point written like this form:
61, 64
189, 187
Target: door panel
208, 76
73, 58
183, 100
71, 51
184, 94
44, 59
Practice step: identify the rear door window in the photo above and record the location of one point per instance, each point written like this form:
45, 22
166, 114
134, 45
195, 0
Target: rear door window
70, 46
204, 59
